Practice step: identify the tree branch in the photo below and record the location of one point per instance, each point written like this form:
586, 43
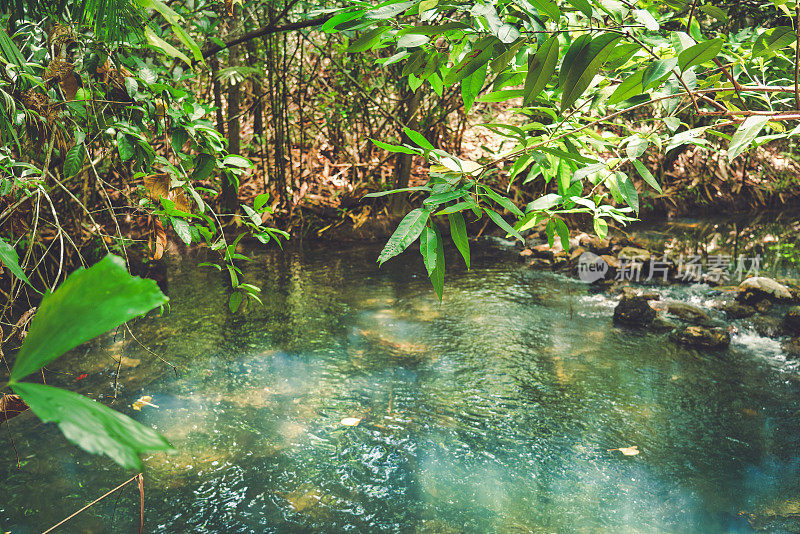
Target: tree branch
266, 30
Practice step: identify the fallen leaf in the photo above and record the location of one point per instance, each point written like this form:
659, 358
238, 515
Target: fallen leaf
627, 451
11, 406
142, 402
351, 421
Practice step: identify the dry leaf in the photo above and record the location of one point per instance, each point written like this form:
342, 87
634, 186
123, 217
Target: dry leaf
627, 451
142, 402
160, 242
351, 421
158, 186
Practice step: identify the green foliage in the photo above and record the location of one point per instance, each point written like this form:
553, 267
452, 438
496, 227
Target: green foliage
578, 65
88, 303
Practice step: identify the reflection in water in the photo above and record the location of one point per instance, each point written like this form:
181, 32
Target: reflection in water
491, 413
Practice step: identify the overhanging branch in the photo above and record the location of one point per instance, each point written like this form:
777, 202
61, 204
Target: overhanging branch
266, 30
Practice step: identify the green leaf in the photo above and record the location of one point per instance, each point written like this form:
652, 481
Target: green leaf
395, 148
540, 6
583, 5
715, 12
503, 201
499, 221
412, 40
458, 233
367, 40
418, 138
544, 203
183, 230
125, 146
636, 147
437, 276
9, 257
393, 191
541, 68
406, 233
73, 160
628, 191
235, 301
600, 228
428, 243
645, 174
773, 39
92, 426
745, 134
90, 302
131, 86
644, 16
479, 56
700, 53
168, 49
631, 86
562, 231
657, 72
581, 63
237, 161
389, 10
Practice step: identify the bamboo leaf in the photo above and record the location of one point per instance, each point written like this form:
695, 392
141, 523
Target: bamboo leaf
428, 242
406, 233
499, 221
458, 233
645, 174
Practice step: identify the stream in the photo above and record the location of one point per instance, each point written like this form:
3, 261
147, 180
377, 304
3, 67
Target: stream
492, 412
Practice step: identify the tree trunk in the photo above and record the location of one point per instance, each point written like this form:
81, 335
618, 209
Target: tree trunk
230, 189
402, 165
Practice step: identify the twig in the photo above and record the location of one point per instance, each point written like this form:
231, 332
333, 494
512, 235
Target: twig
51, 529
267, 30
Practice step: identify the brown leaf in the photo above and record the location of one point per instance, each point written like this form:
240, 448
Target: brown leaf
159, 241
11, 406
158, 186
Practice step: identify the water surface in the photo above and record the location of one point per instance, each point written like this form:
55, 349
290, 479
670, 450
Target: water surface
492, 412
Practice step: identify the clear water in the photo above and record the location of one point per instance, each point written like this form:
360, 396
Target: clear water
493, 412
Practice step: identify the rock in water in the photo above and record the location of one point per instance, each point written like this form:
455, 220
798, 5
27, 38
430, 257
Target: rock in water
703, 337
634, 310
688, 313
737, 310
753, 290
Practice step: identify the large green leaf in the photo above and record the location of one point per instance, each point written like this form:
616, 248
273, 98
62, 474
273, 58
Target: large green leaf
406, 233
745, 134
541, 68
647, 176
9, 257
458, 232
92, 426
699, 53
581, 63
73, 160
428, 242
499, 221
90, 302
628, 191
773, 39
583, 5
631, 86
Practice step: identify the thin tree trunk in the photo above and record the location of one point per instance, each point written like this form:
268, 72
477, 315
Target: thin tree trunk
402, 165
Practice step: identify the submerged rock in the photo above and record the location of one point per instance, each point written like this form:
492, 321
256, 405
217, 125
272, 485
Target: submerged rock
689, 313
737, 310
634, 254
703, 337
767, 326
791, 321
634, 310
753, 290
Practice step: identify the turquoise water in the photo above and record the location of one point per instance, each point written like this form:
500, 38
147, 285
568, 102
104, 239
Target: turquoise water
492, 412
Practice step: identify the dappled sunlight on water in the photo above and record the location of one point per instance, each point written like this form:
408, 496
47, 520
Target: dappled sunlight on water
493, 412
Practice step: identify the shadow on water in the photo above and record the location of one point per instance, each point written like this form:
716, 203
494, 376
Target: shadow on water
491, 413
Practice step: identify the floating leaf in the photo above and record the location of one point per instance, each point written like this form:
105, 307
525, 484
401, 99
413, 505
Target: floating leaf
141, 402
350, 421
